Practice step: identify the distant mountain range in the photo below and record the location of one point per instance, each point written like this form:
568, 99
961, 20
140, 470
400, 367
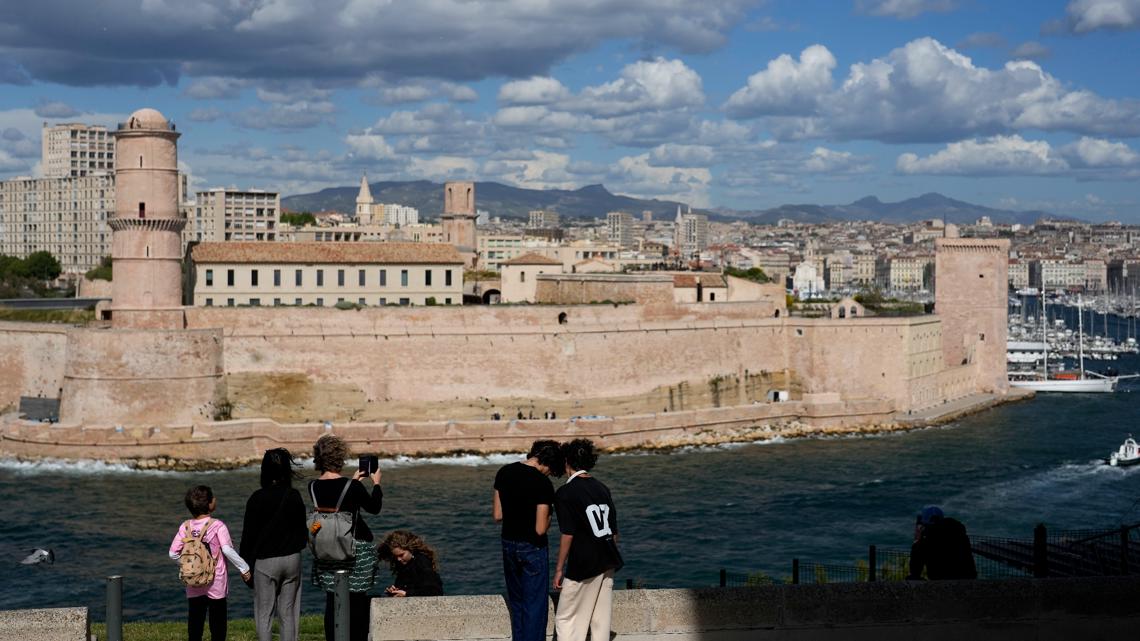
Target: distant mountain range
594, 201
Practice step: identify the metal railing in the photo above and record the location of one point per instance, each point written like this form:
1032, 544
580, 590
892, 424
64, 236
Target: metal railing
1058, 553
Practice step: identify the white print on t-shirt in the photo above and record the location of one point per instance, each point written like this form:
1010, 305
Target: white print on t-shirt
599, 518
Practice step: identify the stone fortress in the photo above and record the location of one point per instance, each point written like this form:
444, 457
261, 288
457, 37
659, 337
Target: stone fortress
156, 380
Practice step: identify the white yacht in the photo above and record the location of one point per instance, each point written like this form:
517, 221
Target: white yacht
1075, 382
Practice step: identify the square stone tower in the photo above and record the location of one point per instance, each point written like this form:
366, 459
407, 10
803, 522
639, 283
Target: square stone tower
970, 296
459, 215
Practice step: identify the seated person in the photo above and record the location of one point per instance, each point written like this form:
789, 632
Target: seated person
414, 564
941, 547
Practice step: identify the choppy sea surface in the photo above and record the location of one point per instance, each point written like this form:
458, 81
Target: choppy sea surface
683, 515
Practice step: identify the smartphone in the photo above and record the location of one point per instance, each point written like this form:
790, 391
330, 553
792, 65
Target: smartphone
369, 463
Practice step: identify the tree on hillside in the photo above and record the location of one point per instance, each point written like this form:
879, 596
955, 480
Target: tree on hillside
42, 266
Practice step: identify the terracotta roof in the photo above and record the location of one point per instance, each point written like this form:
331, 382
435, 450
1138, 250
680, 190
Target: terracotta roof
327, 252
531, 259
706, 280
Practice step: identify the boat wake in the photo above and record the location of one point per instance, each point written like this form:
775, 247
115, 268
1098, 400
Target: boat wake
1068, 483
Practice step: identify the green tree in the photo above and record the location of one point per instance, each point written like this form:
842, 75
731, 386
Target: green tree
42, 265
102, 272
299, 219
754, 274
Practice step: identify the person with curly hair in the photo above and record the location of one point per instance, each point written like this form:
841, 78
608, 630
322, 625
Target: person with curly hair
587, 553
329, 490
414, 564
521, 502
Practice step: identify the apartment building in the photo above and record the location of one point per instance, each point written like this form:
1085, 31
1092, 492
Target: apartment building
65, 216
237, 215
324, 274
619, 229
543, 219
691, 234
76, 150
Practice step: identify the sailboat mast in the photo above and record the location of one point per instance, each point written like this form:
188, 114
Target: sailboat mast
1044, 335
1081, 336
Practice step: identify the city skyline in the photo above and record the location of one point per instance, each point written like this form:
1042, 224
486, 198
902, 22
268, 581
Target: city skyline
741, 104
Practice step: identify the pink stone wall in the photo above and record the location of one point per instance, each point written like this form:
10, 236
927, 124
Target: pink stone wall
32, 359
139, 377
971, 284
581, 289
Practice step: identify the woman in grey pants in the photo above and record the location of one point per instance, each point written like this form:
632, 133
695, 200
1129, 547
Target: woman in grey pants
272, 538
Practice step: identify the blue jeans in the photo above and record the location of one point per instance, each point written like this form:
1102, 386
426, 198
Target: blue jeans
527, 571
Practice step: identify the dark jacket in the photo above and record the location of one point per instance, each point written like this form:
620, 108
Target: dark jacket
943, 549
417, 578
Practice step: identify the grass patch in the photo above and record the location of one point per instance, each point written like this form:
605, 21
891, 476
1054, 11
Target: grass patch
312, 629
70, 316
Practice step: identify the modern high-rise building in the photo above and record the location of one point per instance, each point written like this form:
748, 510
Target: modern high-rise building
542, 219
690, 233
76, 150
232, 214
64, 216
619, 228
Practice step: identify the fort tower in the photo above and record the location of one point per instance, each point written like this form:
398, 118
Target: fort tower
971, 281
147, 225
459, 215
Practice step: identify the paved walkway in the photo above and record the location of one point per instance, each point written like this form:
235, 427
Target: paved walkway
960, 407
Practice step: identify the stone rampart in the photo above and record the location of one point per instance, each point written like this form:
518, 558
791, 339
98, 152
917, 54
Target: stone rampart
579, 289
32, 358
154, 377
1009, 610
245, 440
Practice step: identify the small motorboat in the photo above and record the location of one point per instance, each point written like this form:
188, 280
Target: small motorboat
1128, 454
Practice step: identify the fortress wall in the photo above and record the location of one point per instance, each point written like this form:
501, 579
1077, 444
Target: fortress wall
141, 377
241, 441
857, 358
32, 357
586, 288
942, 386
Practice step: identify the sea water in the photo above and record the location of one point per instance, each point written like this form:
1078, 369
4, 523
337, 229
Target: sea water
683, 515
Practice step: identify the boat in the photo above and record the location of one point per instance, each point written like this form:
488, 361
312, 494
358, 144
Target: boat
1081, 381
1128, 454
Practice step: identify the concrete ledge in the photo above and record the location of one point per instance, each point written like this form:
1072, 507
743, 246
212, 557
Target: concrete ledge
55, 624
980, 610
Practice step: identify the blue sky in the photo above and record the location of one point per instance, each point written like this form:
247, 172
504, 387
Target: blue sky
745, 104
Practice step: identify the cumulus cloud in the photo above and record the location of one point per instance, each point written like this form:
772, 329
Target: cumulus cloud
829, 161
285, 116
536, 90
927, 92
55, 109
204, 114
125, 42
904, 9
674, 155
785, 86
533, 170
651, 102
635, 176
990, 156
420, 90
1013, 155
1084, 16
213, 87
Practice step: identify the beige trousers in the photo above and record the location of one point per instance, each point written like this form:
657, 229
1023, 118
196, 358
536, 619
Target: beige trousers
585, 605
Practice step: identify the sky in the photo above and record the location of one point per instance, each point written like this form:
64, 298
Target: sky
742, 104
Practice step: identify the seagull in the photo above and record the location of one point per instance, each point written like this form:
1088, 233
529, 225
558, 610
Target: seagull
39, 555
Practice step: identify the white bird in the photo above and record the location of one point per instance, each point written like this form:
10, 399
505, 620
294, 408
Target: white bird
39, 555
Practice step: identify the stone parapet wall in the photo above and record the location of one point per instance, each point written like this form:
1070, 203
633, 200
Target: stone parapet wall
241, 441
578, 289
1008, 610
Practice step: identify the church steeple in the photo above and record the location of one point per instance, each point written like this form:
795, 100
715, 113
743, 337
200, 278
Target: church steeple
364, 202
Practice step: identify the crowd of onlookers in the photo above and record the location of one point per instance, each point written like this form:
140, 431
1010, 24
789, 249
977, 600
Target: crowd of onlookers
277, 528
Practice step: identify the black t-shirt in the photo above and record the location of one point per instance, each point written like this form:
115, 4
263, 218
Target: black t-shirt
586, 512
357, 498
274, 524
522, 489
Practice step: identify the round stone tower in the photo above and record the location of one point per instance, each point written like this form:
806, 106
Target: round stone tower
146, 228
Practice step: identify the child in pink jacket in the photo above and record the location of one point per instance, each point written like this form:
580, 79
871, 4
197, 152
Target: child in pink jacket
210, 599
